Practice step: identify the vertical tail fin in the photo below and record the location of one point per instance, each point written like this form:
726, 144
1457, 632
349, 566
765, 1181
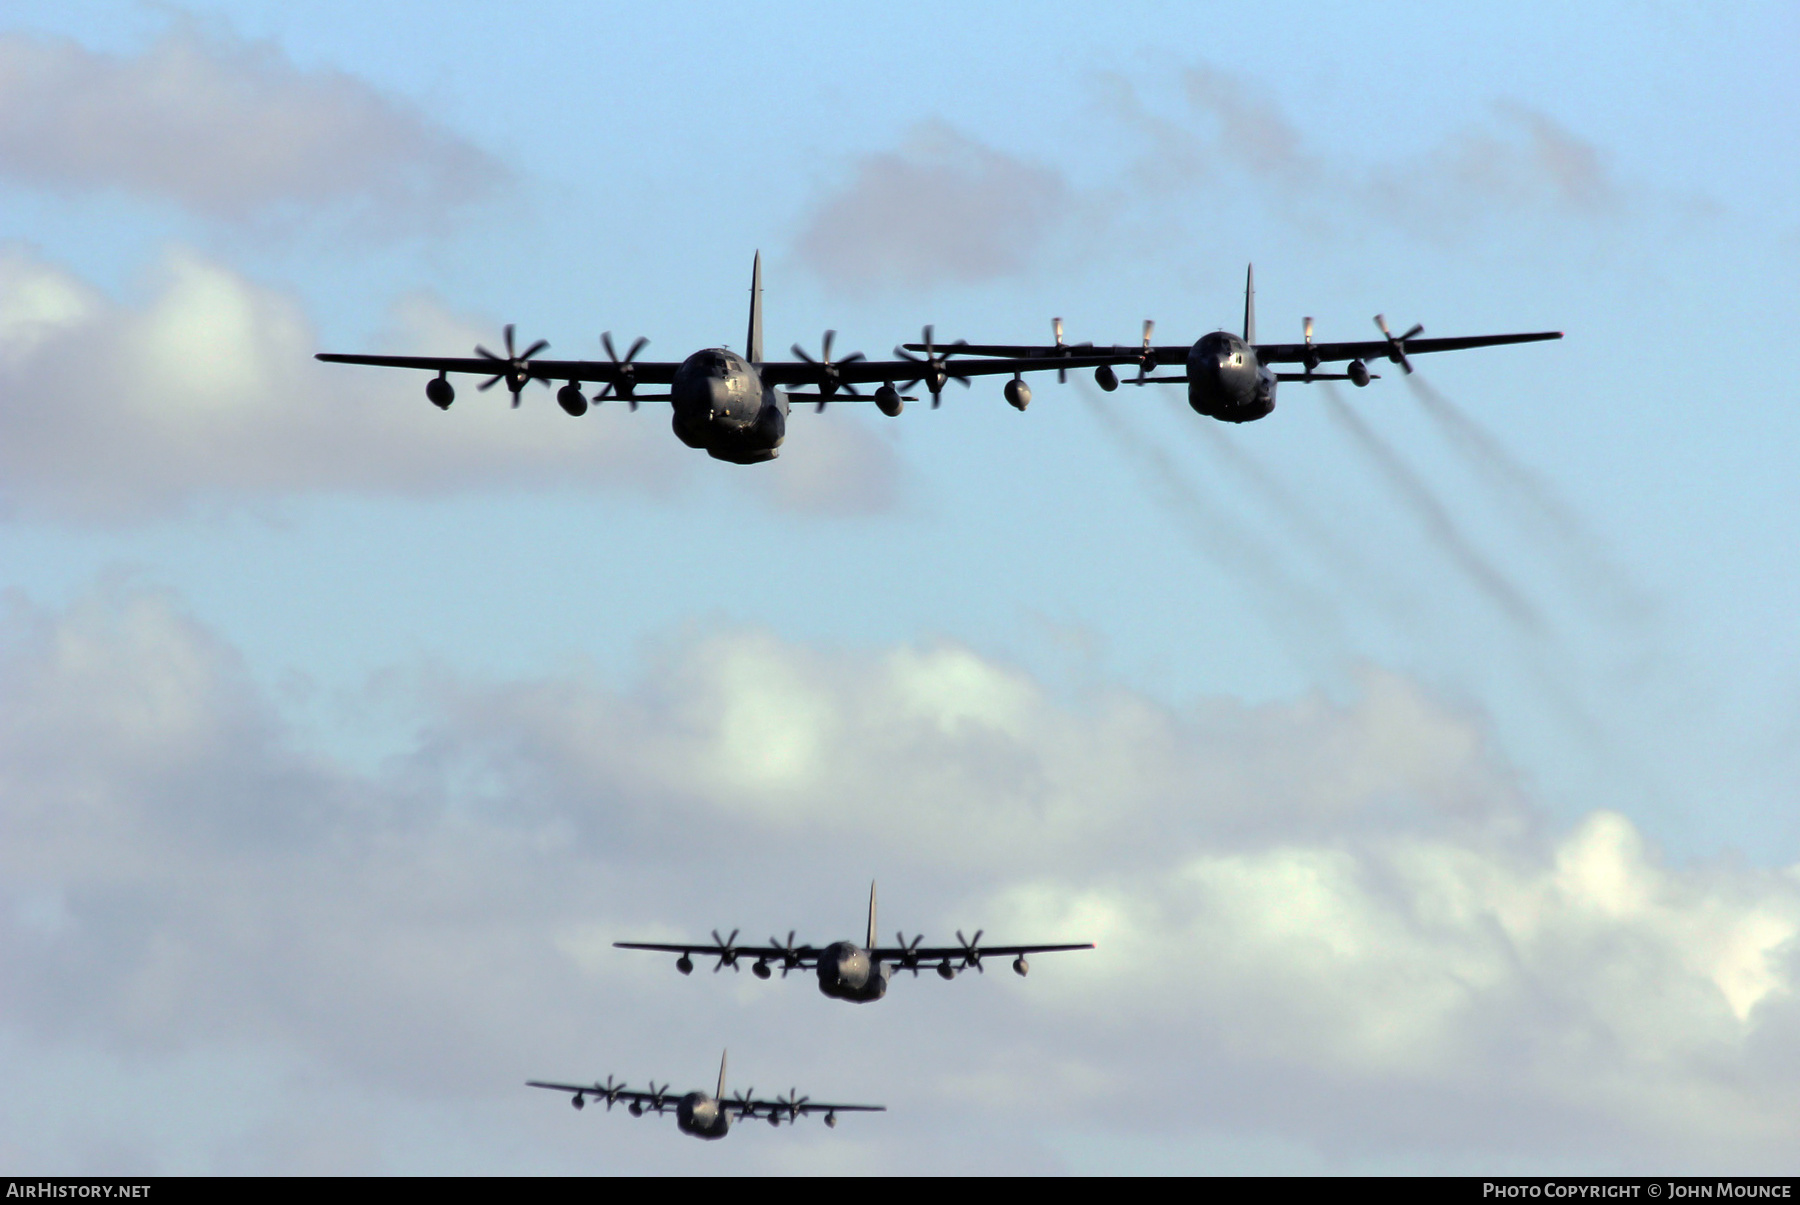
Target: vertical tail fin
871, 944
753, 340
1250, 306
720, 1094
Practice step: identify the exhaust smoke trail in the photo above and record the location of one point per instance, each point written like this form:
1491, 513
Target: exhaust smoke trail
1438, 525
1528, 496
1300, 614
1331, 551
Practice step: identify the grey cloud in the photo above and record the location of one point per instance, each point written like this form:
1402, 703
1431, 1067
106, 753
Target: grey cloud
209, 391
1342, 919
225, 127
1230, 134
941, 209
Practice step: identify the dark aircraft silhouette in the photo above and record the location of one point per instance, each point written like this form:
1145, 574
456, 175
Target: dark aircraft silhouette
706, 1116
846, 970
1228, 377
733, 406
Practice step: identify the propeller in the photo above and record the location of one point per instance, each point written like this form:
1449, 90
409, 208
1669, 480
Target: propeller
1397, 345
745, 1104
971, 949
608, 1092
828, 371
791, 1102
656, 1096
1062, 374
909, 954
790, 954
1145, 357
727, 951
627, 381
937, 369
516, 366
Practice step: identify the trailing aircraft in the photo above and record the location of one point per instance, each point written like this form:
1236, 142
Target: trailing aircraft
734, 406
845, 970
702, 1115
1227, 376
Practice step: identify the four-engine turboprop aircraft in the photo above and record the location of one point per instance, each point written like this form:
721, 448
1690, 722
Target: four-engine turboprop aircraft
1228, 377
706, 1116
733, 406
846, 970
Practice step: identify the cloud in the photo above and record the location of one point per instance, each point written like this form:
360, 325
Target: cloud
209, 391
941, 209
1337, 926
227, 128
1228, 133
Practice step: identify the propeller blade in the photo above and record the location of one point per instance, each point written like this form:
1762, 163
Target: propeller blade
637, 346
826, 345
607, 343
534, 349
509, 342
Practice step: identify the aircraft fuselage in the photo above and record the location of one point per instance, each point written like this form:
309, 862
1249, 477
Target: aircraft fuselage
846, 972
702, 1116
1226, 382
723, 407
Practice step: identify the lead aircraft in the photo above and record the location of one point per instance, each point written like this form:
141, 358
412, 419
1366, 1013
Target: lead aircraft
706, 1116
732, 406
1228, 377
847, 971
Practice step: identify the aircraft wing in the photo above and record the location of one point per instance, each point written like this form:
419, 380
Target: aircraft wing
645, 372
775, 954
873, 372
923, 954
1371, 349
794, 1108
600, 1092
1268, 353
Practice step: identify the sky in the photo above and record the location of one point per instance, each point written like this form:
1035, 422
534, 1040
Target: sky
1421, 758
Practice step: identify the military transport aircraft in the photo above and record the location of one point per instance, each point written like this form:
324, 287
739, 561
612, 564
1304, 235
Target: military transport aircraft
706, 1116
846, 970
1228, 377
733, 406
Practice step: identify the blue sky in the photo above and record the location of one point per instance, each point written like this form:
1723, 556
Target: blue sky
1548, 658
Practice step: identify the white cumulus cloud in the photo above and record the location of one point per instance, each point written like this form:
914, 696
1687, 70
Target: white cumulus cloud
1336, 927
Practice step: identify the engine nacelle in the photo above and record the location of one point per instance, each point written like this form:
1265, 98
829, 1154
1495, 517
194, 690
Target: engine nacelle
1021, 967
1358, 372
1018, 394
440, 392
1106, 378
571, 399
887, 400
